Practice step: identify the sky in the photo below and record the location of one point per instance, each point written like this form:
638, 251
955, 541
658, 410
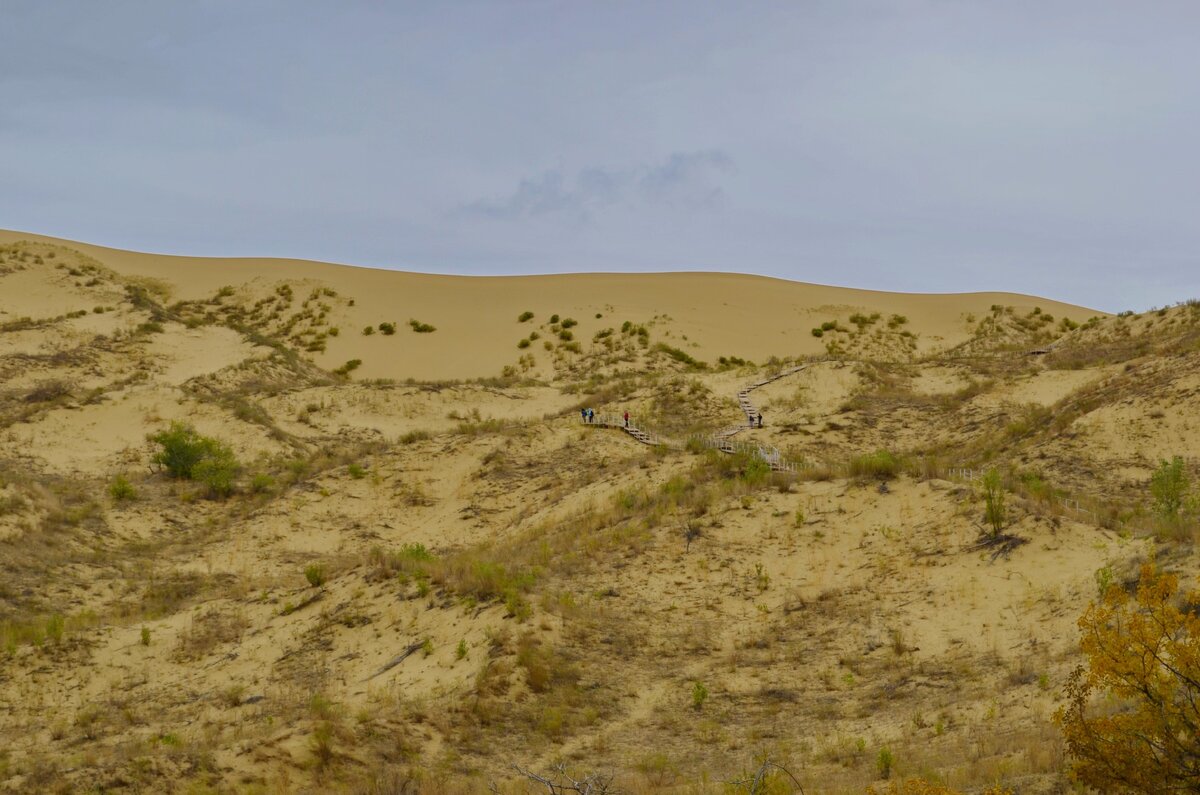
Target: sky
1041, 147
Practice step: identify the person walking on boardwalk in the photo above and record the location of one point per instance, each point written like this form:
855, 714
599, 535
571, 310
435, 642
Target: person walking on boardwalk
591, 415
583, 414
760, 418
627, 419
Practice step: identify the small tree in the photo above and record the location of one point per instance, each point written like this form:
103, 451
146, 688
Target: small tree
186, 454
182, 449
1143, 656
1169, 487
994, 512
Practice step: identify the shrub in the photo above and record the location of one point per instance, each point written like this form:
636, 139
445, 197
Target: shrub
816, 332
315, 574
356, 471
1168, 487
565, 335
699, 695
349, 367
218, 470
145, 636
182, 449
994, 512
568, 322
422, 328
460, 653
680, 356
121, 489
387, 329
523, 344
881, 464
261, 483
368, 331
525, 316
885, 762
554, 318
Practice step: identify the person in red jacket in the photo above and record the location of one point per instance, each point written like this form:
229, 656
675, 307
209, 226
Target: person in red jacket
627, 419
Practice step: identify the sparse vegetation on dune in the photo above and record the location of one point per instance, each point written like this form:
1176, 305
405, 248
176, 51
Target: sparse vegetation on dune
415, 584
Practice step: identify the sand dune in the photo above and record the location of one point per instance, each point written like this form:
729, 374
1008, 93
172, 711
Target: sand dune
707, 314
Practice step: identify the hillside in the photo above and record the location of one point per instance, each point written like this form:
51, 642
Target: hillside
707, 314
413, 573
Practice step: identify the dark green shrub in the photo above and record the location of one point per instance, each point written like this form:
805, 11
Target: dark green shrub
422, 328
387, 328
525, 316
182, 449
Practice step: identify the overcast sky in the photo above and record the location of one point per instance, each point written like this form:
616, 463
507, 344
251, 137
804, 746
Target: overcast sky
1043, 147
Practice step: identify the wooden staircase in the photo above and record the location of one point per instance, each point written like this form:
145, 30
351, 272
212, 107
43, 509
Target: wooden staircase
721, 440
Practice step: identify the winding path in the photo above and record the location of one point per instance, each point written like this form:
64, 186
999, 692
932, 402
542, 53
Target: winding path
721, 440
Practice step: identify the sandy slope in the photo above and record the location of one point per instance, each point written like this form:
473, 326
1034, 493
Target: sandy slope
709, 314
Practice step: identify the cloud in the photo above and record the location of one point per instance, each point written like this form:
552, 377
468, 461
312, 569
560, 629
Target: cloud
684, 179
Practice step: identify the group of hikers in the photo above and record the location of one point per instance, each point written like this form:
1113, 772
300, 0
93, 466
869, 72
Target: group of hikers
589, 417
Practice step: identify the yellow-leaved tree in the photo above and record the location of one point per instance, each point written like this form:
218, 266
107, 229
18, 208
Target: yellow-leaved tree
1132, 716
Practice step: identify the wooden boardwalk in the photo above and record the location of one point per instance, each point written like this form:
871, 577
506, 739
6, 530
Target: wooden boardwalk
721, 440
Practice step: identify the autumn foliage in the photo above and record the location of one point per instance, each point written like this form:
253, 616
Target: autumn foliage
1132, 717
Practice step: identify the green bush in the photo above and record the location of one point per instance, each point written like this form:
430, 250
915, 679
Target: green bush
568, 322
387, 328
523, 344
525, 316
182, 449
218, 471
121, 489
187, 455
421, 328
357, 471
368, 331
816, 332
881, 464
554, 318
885, 762
699, 695
1169, 487
261, 483
315, 574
